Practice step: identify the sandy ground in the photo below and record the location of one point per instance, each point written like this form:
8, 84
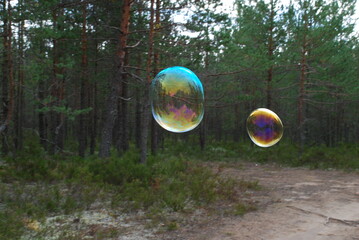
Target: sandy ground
295, 204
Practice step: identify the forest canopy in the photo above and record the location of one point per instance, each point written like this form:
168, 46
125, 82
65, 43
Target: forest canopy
75, 74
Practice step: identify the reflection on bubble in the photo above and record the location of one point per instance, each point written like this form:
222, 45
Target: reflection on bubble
264, 127
177, 99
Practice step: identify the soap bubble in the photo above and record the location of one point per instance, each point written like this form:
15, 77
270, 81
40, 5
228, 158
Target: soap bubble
264, 127
177, 99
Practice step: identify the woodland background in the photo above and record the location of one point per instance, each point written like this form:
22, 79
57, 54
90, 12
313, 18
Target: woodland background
75, 74
76, 133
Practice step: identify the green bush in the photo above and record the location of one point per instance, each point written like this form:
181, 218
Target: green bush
340, 157
11, 226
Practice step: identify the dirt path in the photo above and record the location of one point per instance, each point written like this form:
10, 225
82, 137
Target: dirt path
296, 204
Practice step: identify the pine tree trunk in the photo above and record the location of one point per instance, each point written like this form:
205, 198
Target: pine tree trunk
145, 116
111, 104
237, 120
57, 90
138, 114
83, 118
270, 57
218, 125
42, 119
138, 110
122, 141
145, 100
124, 114
8, 81
20, 103
156, 60
302, 82
202, 133
5, 81
93, 104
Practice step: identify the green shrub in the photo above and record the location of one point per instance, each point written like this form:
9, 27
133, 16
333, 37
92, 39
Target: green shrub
11, 225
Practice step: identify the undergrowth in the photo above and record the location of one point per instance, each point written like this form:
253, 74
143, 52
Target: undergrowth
34, 186
343, 156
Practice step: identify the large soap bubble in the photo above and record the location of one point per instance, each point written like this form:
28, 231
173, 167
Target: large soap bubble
177, 99
264, 127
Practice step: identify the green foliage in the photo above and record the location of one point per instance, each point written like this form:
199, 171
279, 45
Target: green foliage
241, 208
343, 156
11, 226
67, 111
171, 226
38, 185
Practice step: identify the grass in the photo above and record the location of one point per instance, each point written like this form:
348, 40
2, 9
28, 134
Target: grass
240, 208
35, 186
343, 156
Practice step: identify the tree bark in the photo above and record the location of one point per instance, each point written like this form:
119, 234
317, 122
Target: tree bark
138, 93
156, 60
270, 56
8, 81
83, 118
111, 104
57, 89
93, 103
237, 121
20, 101
122, 141
145, 101
302, 81
5, 81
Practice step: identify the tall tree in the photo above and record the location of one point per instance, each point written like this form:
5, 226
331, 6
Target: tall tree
111, 104
8, 81
57, 86
145, 100
20, 101
83, 118
156, 64
315, 30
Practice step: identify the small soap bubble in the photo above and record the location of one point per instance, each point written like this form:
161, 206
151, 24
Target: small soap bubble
177, 99
264, 127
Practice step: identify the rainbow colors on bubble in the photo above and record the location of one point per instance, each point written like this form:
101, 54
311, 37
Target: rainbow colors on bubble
264, 127
177, 99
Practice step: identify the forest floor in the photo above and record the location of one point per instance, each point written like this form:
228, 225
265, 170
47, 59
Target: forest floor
294, 204
289, 204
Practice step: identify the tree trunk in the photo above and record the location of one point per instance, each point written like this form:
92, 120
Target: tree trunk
93, 103
270, 56
302, 81
111, 104
237, 121
19, 115
138, 106
5, 81
122, 141
42, 119
145, 101
138, 114
8, 81
57, 89
202, 133
94, 117
156, 60
125, 120
83, 118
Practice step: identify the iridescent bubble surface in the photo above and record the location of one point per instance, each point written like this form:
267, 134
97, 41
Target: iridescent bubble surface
264, 127
177, 99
